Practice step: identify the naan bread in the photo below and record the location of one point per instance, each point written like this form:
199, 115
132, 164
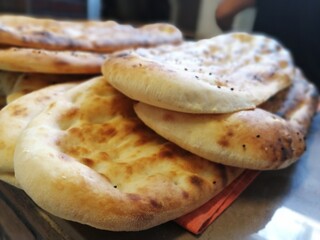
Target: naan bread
296, 104
15, 116
29, 82
223, 74
98, 36
15, 84
99, 165
255, 139
46, 61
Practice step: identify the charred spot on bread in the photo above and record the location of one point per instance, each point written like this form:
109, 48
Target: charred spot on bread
196, 181
19, 110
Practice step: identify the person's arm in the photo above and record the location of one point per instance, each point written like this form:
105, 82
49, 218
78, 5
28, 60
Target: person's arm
227, 9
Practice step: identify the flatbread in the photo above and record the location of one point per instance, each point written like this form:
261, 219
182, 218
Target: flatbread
46, 61
15, 84
99, 165
255, 139
7, 81
226, 73
98, 36
29, 82
15, 116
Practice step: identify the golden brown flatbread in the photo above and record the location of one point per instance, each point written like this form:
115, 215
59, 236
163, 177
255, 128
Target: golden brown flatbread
255, 139
15, 116
296, 104
15, 84
9, 178
29, 82
99, 165
46, 61
226, 73
97, 36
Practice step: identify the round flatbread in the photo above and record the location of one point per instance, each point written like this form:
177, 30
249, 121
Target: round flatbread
15, 84
47, 61
296, 104
15, 116
7, 81
223, 74
255, 139
99, 165
96, 36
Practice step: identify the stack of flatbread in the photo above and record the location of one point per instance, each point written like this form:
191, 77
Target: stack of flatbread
159, 132
209, 98
77, 48
36, 53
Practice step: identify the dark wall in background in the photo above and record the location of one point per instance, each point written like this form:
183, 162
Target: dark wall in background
124, 11
136, 10
76, 9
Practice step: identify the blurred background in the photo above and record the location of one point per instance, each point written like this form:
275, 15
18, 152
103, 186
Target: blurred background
196, 18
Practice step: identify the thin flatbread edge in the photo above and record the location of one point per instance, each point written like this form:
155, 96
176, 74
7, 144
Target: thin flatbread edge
48, 61
96, 36
15, 117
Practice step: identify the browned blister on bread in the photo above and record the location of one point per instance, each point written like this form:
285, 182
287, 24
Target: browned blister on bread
96, 36
91, 153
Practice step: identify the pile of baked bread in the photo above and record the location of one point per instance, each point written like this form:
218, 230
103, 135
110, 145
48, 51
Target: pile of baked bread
124, 128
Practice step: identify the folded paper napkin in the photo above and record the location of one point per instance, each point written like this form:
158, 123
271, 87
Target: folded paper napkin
198, 220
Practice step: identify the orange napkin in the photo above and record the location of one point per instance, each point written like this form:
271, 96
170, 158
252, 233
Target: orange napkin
198, 220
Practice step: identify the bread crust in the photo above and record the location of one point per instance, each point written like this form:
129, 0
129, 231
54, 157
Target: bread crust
96, 36
48, 61
223, 74
15, 116
29, 82
255, 139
